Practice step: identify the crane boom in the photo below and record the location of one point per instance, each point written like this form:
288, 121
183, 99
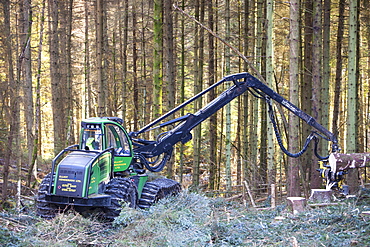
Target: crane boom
242, 82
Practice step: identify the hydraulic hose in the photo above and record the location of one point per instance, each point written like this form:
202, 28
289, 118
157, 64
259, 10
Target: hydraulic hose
156, 168
311, 137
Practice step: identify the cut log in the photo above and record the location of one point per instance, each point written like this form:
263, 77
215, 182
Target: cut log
342, 162
320, 196
296, 204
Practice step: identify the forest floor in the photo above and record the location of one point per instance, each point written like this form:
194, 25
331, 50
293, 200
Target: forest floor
191, 219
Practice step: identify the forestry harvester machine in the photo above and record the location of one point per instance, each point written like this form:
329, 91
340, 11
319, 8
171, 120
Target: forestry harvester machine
109, 165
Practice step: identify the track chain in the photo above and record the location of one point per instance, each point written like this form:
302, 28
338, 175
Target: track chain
156, 190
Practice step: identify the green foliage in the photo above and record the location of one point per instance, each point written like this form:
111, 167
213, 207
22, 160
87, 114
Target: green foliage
173, 221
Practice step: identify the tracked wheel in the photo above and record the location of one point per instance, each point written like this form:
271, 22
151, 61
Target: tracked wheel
44, 209
121, 190
156, 190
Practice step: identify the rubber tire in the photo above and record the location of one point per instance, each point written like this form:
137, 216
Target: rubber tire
43, 208
121, 190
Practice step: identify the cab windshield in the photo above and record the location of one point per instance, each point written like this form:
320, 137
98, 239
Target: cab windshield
91, 139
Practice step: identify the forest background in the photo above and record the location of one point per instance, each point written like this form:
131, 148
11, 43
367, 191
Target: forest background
64, 61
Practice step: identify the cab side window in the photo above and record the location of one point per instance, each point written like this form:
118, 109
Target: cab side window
117, 139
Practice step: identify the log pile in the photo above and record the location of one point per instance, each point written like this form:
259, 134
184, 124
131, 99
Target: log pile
342, 162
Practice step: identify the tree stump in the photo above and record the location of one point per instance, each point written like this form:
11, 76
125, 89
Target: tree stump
320, 196
296, 204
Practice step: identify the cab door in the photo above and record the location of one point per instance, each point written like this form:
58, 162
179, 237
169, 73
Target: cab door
118, 139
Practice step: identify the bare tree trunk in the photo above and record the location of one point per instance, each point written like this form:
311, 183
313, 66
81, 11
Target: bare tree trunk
134, 67
197, 103
56, 87
89, 111
14, 99
169, 66
246, 118
213, 118
339, 68
228, 106
123, 51
99, 58
316, 78
157, 59
306, 160
182, 87
26, 23
352, 94
35, 150
293, 167
271, 168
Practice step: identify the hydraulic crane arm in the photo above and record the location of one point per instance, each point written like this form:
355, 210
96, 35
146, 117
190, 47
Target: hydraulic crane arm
181, 133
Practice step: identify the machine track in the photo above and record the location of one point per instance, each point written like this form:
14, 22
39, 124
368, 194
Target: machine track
156, 190
44, 209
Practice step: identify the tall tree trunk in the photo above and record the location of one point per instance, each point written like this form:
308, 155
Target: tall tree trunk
69, 91
58, 103
157, 59
246, 119
13, 96
228, 106
316, 78
270, 80
169, 67
182, 86
352, 94
325, 71
37, 140
339, 68
306, 87
213, 118
89, 110
123, 52
293, 165
26, 22
134, 66
197, 103
99, 58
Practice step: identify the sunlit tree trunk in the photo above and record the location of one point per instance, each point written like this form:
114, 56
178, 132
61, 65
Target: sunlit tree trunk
169, 66
316, 78
26, 25
325, 71
58, 104
339, 68
246, 118
182, 85
99, 58
253, 104
37, 139
228, 106
157, 58
213, 118
306, 87
352, 94
293, 181
197, 103
13, 96
270, 80
123, 30
134, 67
88, 92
